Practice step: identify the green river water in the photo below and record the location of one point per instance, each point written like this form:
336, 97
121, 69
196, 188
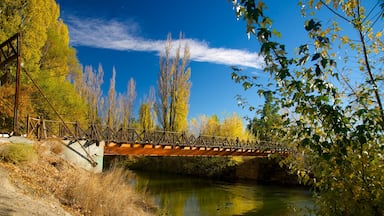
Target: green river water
180, 195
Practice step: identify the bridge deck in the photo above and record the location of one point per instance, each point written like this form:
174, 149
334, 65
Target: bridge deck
169, 150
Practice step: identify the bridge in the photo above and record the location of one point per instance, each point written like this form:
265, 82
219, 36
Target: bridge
96, 141
151, 143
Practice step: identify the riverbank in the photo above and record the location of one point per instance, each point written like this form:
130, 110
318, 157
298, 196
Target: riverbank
256, 169
37, 181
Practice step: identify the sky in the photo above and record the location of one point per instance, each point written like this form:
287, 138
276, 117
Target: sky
130, 35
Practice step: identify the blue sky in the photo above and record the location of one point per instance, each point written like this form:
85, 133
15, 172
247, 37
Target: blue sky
129, 35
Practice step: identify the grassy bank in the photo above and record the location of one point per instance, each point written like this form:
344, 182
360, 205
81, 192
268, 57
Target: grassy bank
40, 171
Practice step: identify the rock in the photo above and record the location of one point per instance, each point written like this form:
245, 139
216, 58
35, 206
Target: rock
4, 140
20, 140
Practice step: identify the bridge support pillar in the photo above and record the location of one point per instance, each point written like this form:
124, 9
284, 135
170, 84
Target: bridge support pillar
84, 156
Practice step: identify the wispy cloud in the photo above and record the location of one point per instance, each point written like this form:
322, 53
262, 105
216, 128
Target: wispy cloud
123, 36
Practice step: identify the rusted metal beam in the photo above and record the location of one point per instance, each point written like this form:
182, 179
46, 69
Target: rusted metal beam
17, 91
9, 50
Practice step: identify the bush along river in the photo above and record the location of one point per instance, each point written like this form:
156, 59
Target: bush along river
218, 186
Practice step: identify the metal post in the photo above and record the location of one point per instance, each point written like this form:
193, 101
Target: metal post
17, 91
28, 125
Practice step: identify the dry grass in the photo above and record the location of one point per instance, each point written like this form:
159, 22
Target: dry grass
80, 192
106, 194
57, 148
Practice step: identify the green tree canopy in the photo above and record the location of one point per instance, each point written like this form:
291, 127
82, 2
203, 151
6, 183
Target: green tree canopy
266, 126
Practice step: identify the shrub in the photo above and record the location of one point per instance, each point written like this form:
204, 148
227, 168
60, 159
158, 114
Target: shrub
17, 153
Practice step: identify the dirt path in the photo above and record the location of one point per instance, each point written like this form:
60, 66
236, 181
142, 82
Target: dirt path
16, 202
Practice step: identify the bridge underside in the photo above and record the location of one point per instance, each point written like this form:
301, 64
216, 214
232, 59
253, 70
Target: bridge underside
169, 150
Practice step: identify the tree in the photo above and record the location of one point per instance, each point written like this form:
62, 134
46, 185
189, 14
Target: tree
125, 104
88, 85
209, 125
111, 115
232, 127
336, 123
46, 56
173, 88
146, 111
131, 96
145, 117
266, 127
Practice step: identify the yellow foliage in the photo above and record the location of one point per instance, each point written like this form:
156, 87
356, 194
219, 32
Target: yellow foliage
344, 39
232, 126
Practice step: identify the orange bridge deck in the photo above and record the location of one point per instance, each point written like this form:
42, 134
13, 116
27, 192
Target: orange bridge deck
169, 150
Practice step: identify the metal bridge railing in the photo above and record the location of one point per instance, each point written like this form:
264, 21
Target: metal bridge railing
42, 129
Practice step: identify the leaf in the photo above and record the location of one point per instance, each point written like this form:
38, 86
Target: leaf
312, 25
316, 56
303, 60
247, 85
318, 70
303, 49
344, 39
235, 77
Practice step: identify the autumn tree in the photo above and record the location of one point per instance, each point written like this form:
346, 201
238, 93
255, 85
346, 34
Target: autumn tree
88, 85
231, 126
145, 117
46, 56
174, 87
210, 125
111, 120
146, 111
331, 86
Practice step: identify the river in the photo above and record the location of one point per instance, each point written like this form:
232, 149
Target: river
180, 195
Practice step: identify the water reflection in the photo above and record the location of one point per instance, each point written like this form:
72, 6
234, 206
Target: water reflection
178, 195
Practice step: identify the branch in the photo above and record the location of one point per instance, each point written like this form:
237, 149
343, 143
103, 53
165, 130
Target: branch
335, 12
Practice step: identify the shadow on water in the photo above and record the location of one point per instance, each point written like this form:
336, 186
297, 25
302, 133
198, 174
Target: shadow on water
180, 195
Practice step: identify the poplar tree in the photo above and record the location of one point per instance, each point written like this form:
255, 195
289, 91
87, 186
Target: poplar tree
131, 96
111, 111
145, 117
88, 85
125, 104
173, 88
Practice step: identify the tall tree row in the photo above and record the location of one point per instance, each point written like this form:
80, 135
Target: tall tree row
174, 87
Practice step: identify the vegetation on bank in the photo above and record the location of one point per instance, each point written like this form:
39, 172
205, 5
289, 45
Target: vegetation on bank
260, 170
40, 171
212, 167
